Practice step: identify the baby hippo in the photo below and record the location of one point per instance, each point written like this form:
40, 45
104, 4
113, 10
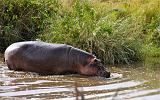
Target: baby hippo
50, 59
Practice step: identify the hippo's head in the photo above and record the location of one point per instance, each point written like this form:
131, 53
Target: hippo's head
95, 68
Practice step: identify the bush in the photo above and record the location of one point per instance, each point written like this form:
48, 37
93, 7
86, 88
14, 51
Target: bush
22, 20
109, 36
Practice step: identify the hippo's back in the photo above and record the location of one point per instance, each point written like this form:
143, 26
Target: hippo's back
36, 49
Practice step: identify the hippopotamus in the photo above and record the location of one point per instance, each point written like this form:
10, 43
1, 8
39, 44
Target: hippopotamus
52, 59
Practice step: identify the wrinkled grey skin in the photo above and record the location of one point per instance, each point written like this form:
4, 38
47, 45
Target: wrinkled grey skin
45, 59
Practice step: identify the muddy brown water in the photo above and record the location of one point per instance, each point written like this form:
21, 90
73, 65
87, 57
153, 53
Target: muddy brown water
126, 83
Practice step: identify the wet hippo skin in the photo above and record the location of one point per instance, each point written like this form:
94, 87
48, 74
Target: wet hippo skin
45, 58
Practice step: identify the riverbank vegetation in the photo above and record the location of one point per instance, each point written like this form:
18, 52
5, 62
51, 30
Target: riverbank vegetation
117, 31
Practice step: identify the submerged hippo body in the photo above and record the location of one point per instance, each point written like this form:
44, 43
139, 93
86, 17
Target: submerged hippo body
45, 58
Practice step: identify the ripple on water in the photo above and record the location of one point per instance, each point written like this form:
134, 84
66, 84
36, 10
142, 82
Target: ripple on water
37, 91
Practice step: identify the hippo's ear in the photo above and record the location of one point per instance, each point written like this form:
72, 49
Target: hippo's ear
94, 53
96, 60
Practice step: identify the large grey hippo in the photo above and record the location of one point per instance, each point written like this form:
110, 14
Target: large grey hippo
45, 58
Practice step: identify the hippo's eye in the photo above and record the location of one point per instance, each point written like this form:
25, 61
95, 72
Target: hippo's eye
96, 63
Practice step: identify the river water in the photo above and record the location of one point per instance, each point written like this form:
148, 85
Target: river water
134, 82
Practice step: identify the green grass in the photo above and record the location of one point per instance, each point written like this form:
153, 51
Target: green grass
151, 51
116, 31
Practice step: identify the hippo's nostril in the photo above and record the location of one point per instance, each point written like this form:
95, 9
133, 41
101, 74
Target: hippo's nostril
105, 74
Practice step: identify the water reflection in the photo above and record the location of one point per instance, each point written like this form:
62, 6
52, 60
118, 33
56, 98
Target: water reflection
119, 85
130, 83
36, 91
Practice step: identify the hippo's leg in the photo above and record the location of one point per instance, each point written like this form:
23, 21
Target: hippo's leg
11, 66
